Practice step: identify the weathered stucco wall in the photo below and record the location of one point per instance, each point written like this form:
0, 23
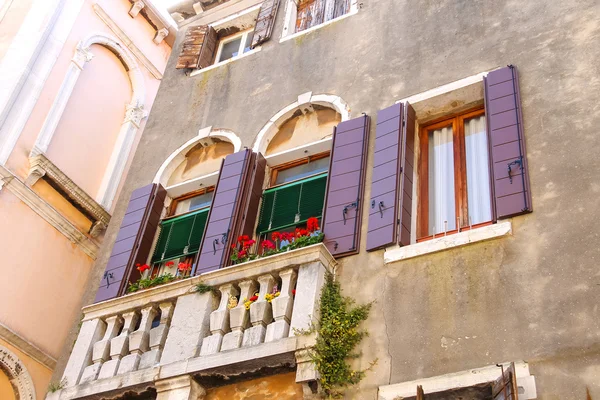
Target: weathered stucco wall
282, 386
531, 296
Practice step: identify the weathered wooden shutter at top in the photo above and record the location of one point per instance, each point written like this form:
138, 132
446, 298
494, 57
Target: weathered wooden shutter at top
227, 212
505, 387
345, 186
198, 48
134, 240
391, 183
509, 169
265, 22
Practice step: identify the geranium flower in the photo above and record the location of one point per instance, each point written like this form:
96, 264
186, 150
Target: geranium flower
242, 254
312, 224
142, 268
254, 298
276, 236
169, 264
249, 243
243, 238
183, 267
301, 232
267, 244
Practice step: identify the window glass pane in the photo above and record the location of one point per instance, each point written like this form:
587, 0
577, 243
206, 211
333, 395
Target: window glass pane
230, 49
248, 42
478, 173
442, 214
194, 203
302, 171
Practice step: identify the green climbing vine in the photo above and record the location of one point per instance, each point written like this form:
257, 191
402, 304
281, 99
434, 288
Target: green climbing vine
338, 334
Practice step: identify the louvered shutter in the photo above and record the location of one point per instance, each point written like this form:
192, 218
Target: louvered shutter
505, 387
180, 236
292, 204
253, 196
345, 186
386, 179
509, 169
198, 47
227, 210
134, 240
265, 22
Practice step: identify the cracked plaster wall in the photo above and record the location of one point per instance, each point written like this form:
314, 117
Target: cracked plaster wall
531, 296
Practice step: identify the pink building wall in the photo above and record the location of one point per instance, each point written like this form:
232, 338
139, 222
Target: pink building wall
44, 271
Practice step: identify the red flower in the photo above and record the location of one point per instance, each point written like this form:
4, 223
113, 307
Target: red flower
276, 236
267, 244
293, 292
253, 298
169, 264
301, 232
243, 238
183, 267
312, 224
249, 243
142, 268
287, 236
242, 254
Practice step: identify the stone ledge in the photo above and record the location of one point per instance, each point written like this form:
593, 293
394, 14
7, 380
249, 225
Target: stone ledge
488, 232
232, 274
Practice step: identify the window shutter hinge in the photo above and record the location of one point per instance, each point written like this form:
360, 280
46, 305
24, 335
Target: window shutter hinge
398, 221
403, 123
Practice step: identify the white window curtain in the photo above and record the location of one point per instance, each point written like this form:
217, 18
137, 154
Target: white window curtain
442, 214
478, 173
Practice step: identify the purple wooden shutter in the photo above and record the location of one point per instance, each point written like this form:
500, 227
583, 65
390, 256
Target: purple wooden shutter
345, 186
391, 189
509, 171
134, 240
224, 218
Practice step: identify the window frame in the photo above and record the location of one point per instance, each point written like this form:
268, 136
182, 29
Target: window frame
175, 201
456, 120
231, 38
291, 164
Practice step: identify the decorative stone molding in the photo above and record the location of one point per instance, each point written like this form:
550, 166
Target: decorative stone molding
41, 166
27, 347
81, 57
136, 7
123, 37
135, 113
304, 104
48, 213
17, 374
161, 34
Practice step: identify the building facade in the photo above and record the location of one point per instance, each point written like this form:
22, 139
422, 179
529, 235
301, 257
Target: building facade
437, 145
78, 79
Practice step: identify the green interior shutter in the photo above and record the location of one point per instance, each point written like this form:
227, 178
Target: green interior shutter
292, 204
180, 236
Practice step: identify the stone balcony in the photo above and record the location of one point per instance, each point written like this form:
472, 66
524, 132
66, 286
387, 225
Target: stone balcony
166, 338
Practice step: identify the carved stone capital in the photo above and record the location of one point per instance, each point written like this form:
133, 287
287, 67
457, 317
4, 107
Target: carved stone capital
135, 114
81, 56
97, 229
35, 174
136, 7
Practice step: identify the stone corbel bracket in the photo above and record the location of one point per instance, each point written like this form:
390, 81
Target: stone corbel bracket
164, 29
40, 166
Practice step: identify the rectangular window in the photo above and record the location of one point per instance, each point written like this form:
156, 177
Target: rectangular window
311, 13
180, 234
234, 45
297, 193
454, 175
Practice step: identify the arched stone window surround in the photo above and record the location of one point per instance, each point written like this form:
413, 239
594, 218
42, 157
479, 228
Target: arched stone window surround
134, 113
19, 377
178, 156
304, 103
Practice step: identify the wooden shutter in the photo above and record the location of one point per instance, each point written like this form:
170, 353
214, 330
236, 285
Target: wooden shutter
253, 196
265, 22
227, 212
509, 170
390, 207
198, 47
134, 240
420, 393
180, 236
505, 387
345, 186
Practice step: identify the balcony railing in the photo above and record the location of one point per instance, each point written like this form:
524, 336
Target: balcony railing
133, 342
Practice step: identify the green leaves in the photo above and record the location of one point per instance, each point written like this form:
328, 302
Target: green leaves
338, 336
145, 283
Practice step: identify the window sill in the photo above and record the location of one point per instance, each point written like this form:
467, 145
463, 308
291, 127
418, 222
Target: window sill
488, 232
314, 28
217, 65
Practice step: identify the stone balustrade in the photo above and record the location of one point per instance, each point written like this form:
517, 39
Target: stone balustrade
163, 337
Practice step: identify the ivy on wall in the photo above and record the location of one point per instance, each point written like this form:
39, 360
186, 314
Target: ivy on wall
338, 334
